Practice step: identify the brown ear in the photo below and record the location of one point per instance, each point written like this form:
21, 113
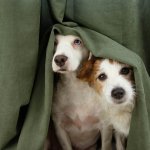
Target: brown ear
91, 56
86, 70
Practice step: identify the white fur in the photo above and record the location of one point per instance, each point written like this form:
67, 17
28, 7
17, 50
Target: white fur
119, 114
75, 53
115, 80
74, 100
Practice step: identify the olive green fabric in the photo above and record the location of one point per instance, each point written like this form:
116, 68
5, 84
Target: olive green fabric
19, 36
114, 29
24, 113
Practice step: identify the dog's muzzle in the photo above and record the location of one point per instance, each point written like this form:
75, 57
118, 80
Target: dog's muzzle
118, 94
60, 60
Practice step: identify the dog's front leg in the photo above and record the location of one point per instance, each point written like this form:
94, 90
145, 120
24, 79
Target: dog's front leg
106, 137
120, 141
63, 137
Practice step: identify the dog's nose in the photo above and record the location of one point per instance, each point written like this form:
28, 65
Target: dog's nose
118, 93
60, 60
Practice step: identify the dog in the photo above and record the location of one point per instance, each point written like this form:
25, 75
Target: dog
76, 108
114, 82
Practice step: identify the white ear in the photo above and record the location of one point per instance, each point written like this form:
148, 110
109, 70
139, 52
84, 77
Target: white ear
90, 55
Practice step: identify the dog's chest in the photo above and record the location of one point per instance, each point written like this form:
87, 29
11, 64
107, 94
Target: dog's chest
78, 104
120, 118
81, 125
79, 119
76, 109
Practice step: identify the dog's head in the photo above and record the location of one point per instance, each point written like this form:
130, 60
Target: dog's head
114, 81
69, 53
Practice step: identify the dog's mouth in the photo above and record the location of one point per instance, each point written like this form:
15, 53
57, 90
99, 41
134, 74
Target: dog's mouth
118, 101
62, 70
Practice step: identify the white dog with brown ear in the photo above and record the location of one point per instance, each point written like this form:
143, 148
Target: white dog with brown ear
76, 108
114, 82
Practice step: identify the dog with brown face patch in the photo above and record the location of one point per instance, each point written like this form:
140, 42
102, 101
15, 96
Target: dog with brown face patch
76, 109
114, 83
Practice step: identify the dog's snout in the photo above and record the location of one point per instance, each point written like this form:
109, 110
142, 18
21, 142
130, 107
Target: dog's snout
60, 60
118, 93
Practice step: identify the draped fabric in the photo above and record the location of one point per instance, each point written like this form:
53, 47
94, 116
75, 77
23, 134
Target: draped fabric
111, 29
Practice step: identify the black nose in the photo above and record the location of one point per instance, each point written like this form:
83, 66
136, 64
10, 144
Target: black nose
118, 93
60, 60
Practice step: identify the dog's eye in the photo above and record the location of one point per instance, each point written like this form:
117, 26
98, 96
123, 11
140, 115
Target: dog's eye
125, 71
77, 42
102, 77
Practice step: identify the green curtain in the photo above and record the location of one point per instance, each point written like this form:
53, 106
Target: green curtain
113, 29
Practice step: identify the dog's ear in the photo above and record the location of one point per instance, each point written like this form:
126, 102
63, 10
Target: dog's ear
86, 70
91, 56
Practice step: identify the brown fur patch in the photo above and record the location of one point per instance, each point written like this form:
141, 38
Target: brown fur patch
88, 73
86, 70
